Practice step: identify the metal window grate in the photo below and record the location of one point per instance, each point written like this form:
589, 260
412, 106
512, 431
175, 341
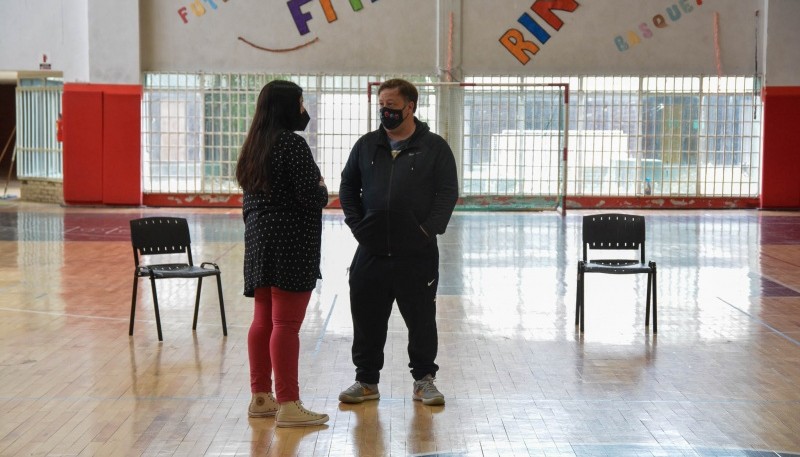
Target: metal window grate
37, 150
665, 136
194, 124
510, 138
628, 135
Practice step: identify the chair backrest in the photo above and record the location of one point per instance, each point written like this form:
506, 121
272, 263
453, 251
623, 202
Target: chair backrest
160, 235
614, 231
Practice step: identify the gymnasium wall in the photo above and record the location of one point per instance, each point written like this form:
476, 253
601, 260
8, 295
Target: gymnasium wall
110, 41
38, 33
404, 36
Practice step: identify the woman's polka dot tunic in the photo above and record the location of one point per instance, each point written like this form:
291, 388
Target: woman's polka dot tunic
283, 229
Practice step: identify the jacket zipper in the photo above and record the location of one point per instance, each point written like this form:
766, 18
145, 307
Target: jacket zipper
388, 210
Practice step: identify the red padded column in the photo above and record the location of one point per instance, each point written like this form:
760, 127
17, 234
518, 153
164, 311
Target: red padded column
122, 157
82, 109
780, 171
102, 144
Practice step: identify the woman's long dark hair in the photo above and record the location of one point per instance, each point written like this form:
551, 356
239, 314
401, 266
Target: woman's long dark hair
277, 109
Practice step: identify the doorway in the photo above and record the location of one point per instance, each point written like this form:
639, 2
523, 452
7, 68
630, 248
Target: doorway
8, 122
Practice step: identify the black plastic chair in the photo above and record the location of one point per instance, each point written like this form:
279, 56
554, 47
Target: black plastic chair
168, 235
617, 232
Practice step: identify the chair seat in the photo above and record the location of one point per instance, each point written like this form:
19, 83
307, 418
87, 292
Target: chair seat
176, 270
616, 266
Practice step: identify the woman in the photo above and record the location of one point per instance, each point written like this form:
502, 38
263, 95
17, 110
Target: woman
284, 194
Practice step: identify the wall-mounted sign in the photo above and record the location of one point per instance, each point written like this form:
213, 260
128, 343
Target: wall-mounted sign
44, 64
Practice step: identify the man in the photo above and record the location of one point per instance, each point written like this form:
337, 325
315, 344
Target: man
398, 191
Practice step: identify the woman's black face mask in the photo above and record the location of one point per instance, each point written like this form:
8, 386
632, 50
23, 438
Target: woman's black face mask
301, 121
392, 118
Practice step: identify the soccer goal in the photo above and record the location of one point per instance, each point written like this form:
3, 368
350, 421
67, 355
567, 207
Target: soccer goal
510, 140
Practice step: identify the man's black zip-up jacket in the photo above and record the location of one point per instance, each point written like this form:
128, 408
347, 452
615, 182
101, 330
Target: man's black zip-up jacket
397, 206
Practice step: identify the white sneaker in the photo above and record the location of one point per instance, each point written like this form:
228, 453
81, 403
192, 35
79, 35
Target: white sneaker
293, 414
263, 404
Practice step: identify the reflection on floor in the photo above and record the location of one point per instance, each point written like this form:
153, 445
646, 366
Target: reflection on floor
721, 377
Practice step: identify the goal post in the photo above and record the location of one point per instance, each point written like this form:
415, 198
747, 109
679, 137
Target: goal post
510, 140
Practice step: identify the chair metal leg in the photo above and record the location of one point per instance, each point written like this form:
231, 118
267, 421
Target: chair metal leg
655, 299
133, 302
155, 306
197, 302
582, 307
647, 301
578, 296
582, 299
221, 305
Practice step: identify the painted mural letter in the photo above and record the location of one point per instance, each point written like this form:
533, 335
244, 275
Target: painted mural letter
544, 8
621, 44
197, 8
300, 18
357, 5
330, 13
633, 38
183, 12
659, 21
646, 32
518, 46
211, 3
533, 27
674, 13
685, 6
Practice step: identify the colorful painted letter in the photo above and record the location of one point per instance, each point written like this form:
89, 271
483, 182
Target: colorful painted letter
674, 13
544, 8
518, 46
621, 44
646, 32
533, 27
300, 18
197, 8
330, 13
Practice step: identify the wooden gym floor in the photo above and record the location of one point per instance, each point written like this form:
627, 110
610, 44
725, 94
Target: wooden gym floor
721, 377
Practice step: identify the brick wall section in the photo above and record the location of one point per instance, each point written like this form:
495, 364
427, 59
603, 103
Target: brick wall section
43, 191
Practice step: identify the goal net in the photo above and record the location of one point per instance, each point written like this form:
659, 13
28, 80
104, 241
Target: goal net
510, 140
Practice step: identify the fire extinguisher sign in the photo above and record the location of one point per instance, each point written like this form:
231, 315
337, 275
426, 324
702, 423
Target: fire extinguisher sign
44, 64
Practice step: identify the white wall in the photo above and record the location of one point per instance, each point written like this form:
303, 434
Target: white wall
397, 35
112, 41
400, 36
59, 29
585, 43
782, 60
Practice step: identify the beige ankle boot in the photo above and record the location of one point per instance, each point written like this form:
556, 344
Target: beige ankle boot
293, 414
263, 404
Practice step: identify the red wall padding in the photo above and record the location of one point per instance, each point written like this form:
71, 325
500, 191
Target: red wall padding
82, 110
780, 169
122, 152
102, 144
